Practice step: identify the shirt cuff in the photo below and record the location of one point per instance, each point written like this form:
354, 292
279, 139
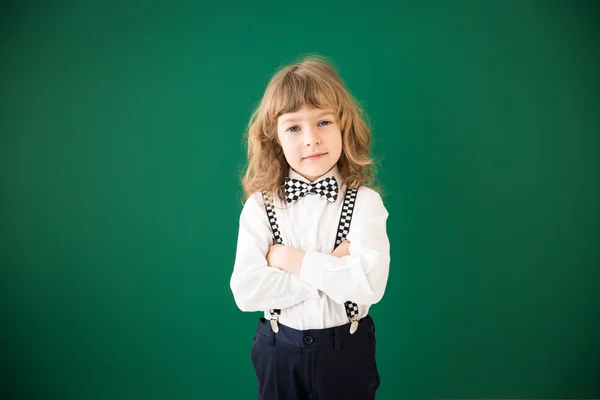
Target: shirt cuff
314, 267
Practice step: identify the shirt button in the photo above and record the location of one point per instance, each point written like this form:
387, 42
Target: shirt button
308, 339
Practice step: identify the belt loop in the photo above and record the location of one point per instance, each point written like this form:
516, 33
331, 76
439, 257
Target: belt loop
272, 337
337, 338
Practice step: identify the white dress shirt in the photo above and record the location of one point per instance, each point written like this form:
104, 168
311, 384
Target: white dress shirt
315, 300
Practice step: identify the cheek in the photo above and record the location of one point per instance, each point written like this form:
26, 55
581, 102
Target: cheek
338, 144
289, 148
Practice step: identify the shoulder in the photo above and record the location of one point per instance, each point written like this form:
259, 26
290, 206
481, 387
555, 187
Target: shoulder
254, 215
255, 199
254, 204
367, 194
370, 201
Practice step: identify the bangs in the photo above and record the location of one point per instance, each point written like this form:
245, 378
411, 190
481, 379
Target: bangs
294, 90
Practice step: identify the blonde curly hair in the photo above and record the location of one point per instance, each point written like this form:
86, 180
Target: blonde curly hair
313, 82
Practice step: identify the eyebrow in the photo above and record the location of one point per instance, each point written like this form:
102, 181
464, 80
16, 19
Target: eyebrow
296, 119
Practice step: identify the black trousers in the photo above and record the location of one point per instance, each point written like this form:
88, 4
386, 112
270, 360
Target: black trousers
323, 364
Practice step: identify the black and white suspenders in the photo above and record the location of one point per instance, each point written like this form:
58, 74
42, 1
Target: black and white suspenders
342, 232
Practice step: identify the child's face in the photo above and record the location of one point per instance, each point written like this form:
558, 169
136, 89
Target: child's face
306, 133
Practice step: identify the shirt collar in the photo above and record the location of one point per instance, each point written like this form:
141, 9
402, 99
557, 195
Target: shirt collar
332, 172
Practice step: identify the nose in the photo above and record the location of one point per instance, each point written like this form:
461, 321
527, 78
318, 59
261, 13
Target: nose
311, 137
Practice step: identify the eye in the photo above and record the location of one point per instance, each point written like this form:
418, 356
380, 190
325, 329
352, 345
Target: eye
293, 128
326, 123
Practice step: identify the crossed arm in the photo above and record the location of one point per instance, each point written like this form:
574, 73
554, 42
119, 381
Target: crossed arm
290, 259
268, 276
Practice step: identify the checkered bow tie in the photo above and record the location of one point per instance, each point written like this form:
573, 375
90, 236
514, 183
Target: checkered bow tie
326, 188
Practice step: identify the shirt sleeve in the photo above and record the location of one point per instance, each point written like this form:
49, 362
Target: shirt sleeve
255, 285
362, 276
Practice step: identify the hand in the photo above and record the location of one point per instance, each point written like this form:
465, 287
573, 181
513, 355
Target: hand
285, 258
275, 256
342, 250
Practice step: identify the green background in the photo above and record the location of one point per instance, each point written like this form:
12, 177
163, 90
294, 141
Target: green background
120, 154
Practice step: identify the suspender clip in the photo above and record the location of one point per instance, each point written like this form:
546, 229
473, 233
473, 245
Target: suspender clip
353, 325
274, 319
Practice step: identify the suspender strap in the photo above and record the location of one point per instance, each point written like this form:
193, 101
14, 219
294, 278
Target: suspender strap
272, 217
276, 240
346, 216
343, 229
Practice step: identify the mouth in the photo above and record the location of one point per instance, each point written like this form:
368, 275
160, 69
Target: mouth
314, 156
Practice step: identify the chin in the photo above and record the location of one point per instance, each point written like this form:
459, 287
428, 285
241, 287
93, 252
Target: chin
317, 171
313, 170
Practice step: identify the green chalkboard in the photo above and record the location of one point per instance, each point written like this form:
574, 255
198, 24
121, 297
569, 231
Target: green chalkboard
121, 149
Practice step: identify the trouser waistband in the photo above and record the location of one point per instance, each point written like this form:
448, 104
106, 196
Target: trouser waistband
315, 338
